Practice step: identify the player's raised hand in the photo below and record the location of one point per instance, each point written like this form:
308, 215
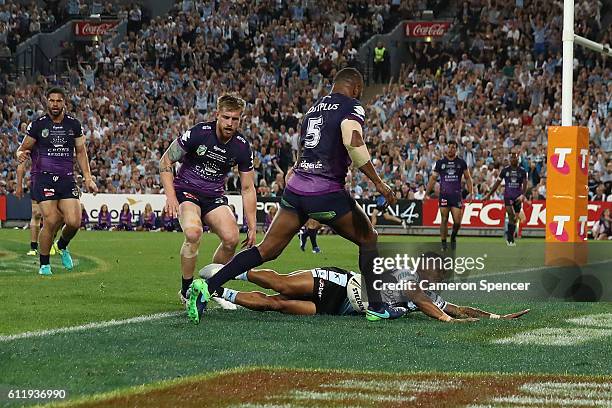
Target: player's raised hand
91, 186
515, 315
249, 241
23, 155
386, 192
172, 207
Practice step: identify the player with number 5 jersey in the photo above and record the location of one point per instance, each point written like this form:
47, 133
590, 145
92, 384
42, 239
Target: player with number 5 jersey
331, 138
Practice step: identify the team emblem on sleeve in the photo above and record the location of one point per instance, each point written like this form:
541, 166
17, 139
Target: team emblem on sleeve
359, 111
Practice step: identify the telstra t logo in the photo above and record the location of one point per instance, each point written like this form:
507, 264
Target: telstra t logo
559, 163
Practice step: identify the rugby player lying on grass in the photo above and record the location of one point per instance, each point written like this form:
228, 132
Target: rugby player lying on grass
336, 291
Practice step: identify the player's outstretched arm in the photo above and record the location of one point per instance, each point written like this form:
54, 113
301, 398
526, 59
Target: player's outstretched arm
352, 138
173, 154
425, 305
467, 311
83, 160
493, 189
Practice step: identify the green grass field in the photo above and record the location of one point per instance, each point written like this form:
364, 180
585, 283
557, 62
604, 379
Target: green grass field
126, 275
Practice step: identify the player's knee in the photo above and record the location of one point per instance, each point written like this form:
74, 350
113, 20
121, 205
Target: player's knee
268, 253
231, 241
370, 238
189, 249
53, 221
36, 215
72, 223
193, 235
275, 304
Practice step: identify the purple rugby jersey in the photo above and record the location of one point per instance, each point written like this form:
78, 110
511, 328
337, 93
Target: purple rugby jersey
450, 172
207, 162
54, 149
324, 160
513, 179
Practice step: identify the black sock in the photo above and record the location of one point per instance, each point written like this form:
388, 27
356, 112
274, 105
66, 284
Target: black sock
44, 259
366, 266
62, 243
303, 238
185, 285
312, 233
511, 228
34, 245
455, 232
244, 261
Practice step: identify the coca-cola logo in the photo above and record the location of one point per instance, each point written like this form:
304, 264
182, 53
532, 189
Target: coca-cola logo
87, 28
427, 29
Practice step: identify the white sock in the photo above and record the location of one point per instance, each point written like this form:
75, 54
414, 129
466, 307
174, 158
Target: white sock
242, 276
230, 295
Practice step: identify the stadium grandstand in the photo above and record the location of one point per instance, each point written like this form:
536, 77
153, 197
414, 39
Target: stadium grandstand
310, 158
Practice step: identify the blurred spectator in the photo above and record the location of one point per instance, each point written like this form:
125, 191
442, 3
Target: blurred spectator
147, 219
84, 217
104, 219
125, 219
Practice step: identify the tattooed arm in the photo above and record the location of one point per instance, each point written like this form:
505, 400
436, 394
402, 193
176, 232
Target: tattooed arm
166, 164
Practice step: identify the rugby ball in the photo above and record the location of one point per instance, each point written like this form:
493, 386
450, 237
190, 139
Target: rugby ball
353, 293
210, 270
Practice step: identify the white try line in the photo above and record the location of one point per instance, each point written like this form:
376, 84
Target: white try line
89, 326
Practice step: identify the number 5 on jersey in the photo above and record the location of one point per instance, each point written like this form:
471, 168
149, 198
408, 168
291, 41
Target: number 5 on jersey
313, 132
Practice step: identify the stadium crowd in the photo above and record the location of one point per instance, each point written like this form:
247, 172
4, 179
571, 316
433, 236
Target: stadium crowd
495, 87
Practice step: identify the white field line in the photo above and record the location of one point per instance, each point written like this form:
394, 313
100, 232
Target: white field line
334, 396
89, 326
394, 385
551, 336
596, 320
567, 402
577, 390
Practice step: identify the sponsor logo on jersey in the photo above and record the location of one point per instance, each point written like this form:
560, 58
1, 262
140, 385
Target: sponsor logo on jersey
219, 149
206, 127
311, 166
49, 192
321, 287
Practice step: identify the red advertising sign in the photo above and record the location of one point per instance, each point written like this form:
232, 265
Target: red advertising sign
91, 28
2, 208
422, 29
491, 214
